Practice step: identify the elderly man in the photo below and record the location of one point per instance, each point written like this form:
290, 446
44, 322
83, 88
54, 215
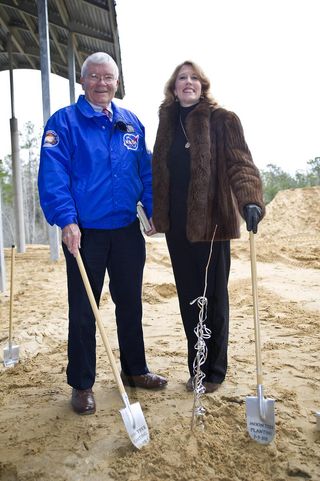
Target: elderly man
94, 168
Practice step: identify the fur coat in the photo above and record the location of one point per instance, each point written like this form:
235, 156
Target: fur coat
223, 177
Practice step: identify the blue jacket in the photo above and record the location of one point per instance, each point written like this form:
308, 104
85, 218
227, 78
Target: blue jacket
93, 171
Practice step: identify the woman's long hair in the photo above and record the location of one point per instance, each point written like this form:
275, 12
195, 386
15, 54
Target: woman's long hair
169, 96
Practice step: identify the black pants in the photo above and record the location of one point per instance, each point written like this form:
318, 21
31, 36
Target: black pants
122, 253
189, 262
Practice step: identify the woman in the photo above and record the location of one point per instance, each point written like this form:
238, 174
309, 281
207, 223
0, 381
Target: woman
203, 178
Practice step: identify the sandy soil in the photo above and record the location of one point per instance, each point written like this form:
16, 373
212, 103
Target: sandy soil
42, 439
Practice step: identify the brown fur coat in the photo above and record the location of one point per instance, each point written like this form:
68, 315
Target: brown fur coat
223, 176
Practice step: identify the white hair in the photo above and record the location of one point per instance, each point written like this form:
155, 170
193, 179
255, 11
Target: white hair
99, 58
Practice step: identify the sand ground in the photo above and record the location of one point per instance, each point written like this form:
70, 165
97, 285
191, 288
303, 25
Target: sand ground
41, 439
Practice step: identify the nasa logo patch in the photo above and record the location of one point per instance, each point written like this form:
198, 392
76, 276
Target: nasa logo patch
51, 139
131, 141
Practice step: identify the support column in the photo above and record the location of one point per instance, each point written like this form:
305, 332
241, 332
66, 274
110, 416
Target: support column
71, 68
2, 263
45, 82
16, 165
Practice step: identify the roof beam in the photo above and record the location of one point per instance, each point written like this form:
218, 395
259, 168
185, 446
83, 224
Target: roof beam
65, 18
56, 42
31, 27
54, 20
4, 21
18, 41
97, 4
79, 29
72, 20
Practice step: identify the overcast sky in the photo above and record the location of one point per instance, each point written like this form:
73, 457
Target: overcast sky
262, 57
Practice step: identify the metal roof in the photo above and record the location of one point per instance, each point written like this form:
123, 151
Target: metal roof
93, 25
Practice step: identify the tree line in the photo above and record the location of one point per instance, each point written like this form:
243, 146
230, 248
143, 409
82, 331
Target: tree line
36, 232
275, 179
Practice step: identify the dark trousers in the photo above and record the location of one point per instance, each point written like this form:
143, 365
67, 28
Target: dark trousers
122, 253
189, 262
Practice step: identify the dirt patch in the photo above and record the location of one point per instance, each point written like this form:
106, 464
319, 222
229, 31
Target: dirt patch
43, 440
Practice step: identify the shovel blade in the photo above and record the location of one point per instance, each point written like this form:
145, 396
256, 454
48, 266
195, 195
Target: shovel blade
10, 356
260, 429
136, 425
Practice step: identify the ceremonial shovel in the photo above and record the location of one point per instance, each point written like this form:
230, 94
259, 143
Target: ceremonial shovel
260, 411
11, 353
132, 414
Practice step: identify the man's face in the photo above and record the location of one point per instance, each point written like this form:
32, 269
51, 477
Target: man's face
100, 83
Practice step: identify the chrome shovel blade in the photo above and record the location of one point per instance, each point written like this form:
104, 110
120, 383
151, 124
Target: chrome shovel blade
260, 429
135, 424
10, 356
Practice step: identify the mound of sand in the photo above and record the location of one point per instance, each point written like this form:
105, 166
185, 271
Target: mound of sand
292, 213
290, 230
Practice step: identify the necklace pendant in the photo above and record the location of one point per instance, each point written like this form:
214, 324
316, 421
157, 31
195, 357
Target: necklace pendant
187, 145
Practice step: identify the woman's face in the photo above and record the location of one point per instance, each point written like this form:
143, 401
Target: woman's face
187, 86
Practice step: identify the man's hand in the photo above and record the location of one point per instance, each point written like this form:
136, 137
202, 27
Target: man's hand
151, 231
252, 215
71, 236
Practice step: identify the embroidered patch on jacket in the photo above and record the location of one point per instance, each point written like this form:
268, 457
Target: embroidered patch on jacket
51, 139
131, 141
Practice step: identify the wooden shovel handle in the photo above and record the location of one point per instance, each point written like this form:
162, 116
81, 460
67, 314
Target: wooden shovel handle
97, 316
255, 307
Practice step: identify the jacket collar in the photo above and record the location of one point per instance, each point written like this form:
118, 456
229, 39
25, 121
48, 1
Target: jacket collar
87, 110
204, 108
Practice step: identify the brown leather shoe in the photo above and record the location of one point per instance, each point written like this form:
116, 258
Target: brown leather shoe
82, 401
146, 381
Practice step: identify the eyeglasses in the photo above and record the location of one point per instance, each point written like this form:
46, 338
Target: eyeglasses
93, 77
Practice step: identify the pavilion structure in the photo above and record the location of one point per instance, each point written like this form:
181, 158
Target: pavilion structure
51, 36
